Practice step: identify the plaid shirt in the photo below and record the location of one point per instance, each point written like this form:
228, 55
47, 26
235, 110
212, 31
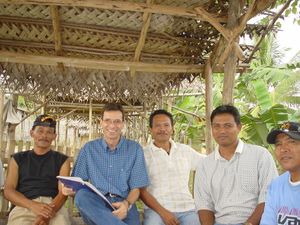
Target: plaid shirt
169, 175
115, 171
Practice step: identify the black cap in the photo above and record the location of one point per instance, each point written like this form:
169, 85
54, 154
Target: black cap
45, 121
292, 129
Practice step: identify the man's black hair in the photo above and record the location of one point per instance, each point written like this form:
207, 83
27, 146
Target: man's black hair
229, 109
160, 112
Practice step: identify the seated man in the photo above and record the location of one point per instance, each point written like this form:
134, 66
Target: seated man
116, 166
169, 164
283, 195
231, 182
31, 183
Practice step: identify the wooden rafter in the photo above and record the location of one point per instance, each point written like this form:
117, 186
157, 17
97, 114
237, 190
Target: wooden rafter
143, 35
226, 33
56, 29
142, 39
11, 57
119, 5
215, 23
232, 43
85, 50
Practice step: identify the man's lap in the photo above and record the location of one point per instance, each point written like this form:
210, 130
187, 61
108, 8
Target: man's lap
94, 208
20, 215
186, 218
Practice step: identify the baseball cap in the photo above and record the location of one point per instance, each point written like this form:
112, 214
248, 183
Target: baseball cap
45, 121
292, 129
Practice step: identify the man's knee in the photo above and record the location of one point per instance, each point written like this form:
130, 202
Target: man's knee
81, 197
62, 217
151, 217
20, 215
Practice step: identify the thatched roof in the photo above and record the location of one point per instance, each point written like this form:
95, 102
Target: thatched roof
133, 51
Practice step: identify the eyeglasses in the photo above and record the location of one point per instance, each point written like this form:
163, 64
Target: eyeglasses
116, 122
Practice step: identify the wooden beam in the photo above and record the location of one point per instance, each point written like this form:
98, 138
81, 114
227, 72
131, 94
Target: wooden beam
11, 57
87, 50
119, 5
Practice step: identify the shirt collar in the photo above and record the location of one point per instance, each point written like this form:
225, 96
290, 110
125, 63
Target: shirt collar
173, 146
239, 149
104, 144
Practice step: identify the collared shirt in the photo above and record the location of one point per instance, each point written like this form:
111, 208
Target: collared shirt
169, 175
112, 171
233, 188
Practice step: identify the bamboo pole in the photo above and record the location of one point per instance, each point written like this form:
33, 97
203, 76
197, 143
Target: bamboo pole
208, 105
2, 151
90, 120
66, 135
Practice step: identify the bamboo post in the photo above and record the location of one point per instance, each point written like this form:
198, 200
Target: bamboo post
57, 133
90, 120
208, 105
44, 106
66, 135
2, 150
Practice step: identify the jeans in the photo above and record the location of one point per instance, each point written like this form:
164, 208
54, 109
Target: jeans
94, 210
186, 218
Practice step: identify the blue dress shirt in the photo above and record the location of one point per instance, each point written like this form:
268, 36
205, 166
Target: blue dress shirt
112, 171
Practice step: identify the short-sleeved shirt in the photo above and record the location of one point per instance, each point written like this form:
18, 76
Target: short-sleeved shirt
115, 171
283, 202
233, 188
37, 173
169, 175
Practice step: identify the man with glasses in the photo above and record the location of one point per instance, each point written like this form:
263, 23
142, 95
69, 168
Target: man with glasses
168, 199
116, 167
283, 195
231, 183
31, 183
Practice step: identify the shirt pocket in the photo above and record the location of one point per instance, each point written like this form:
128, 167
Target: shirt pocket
249, 180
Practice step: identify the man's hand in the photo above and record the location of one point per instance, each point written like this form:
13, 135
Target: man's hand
67, 191
41, 221
42, 209
121, 209
169, 218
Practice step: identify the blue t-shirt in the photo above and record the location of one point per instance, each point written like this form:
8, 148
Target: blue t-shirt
283, 202
112, 171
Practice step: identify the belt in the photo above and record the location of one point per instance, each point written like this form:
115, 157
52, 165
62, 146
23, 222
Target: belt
112, 195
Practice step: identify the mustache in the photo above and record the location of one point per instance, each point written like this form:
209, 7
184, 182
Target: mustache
43, 140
